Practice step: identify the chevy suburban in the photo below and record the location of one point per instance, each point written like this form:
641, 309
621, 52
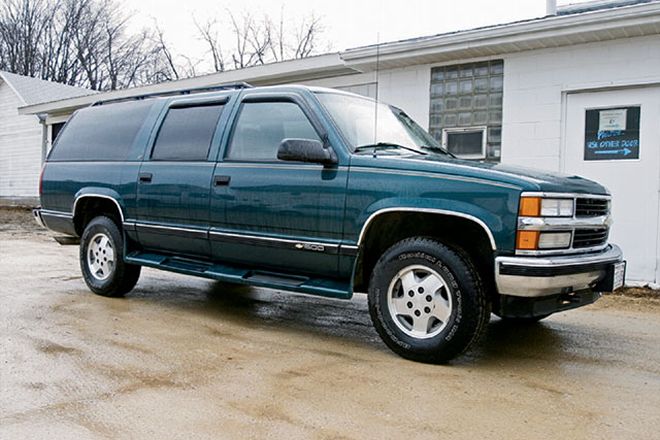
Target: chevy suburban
327, 193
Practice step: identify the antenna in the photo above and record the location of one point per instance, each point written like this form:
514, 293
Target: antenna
376, 103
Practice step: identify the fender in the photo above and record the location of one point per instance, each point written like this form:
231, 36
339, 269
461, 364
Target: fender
439, 211
478, 221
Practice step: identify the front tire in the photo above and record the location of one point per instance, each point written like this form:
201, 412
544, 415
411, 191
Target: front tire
426, 301
101, 259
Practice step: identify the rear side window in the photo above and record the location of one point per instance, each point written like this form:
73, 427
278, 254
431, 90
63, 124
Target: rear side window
102, 133
186, 133
262, 126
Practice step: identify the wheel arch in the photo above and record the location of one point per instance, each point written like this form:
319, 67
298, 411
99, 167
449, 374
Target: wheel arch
476, 240
432, 211
88, 205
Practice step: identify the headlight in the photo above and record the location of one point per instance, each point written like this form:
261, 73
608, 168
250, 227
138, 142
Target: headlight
546, 207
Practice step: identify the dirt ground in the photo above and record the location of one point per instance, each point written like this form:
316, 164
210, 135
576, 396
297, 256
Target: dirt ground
187, 358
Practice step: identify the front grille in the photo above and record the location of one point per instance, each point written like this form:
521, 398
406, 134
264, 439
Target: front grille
586, 238
590, 207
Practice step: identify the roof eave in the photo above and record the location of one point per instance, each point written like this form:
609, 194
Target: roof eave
287, 71
545, 32
13, 89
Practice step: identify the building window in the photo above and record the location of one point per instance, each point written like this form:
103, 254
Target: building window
466, 143
466, 108
55, 130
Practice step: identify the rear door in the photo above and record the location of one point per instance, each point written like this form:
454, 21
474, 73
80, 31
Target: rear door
174, 180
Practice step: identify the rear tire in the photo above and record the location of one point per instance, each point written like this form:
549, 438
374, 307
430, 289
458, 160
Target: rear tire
427, 301
102, 262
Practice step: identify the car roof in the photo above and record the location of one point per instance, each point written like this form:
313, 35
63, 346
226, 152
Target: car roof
197, 96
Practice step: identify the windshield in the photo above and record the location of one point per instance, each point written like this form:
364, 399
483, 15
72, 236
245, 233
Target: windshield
356, 116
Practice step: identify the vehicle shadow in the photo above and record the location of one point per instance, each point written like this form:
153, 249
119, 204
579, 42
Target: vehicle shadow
348, 321
517, 343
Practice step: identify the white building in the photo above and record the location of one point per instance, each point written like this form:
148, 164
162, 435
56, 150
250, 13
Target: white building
577, 91
23, 139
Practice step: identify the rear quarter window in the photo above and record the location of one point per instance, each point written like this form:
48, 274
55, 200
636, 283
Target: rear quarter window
102, 133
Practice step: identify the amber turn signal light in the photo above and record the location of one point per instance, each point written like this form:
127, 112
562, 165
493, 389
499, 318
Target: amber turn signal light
527, 240
530, 206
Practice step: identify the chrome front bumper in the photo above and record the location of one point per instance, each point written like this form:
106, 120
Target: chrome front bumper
533, 277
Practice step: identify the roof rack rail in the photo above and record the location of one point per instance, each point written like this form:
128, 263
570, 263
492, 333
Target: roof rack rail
227, 86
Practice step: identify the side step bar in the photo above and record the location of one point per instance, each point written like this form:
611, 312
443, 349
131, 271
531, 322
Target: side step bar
67, 240
234, 274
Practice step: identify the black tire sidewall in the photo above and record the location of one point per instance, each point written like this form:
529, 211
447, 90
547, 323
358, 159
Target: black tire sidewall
463, 286
111, 285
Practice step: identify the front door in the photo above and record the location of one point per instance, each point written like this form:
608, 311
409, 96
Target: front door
174, 181
284, 216
613, 137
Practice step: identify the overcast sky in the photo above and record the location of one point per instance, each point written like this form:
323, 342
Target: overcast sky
348, 23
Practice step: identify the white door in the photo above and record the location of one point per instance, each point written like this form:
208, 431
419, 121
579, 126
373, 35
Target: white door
634, 183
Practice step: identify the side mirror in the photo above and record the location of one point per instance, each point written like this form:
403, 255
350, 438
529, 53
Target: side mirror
306, 150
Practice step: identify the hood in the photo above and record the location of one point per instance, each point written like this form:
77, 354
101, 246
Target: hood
528, 179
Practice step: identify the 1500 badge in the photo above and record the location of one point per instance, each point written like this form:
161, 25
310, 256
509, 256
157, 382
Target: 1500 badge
310, 247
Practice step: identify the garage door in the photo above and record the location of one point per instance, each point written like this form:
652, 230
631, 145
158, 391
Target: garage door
613, 137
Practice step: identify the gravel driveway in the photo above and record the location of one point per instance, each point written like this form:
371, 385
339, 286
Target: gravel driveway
188, 358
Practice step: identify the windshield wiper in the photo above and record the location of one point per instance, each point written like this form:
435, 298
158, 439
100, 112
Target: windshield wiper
385, 146
441, 150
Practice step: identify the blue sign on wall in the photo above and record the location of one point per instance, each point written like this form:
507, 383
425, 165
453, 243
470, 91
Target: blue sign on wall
612, 134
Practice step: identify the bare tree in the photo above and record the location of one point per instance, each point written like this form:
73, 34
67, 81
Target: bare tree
81, 42
277, 37
242, 29
58, 52
259, 40
307, 36
89, 43
209, 35
23, 24
167, 53
167, 65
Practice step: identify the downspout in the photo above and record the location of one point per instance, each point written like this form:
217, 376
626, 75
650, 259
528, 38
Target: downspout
550, 7
44, 138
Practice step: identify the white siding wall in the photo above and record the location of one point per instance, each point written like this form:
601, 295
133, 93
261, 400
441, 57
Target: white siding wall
534, 82
407, 88
535, 87
20, 148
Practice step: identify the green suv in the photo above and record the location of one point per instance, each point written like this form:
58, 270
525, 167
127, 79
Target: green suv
326, 193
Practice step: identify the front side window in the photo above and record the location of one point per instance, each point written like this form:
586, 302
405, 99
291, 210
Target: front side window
186, 133
262, 126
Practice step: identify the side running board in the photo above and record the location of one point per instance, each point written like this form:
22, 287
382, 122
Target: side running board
236, 274
67, 240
